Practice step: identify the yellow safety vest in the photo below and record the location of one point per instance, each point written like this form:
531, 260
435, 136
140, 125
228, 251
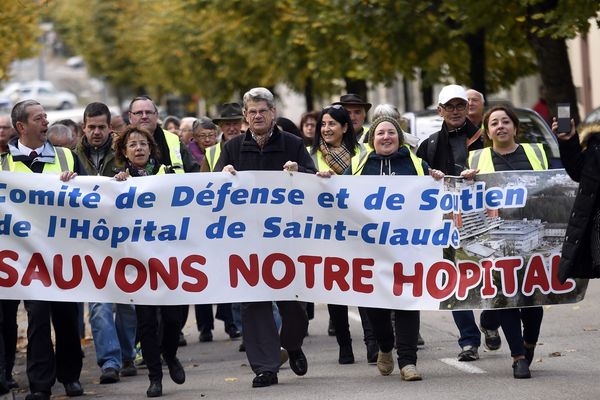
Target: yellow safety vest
63, 161
322, 165
212, 155
359, 162
174, 145
482, 159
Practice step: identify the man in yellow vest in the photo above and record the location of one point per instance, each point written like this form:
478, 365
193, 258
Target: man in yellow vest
358, 109
173, 153
32, 152
230, 122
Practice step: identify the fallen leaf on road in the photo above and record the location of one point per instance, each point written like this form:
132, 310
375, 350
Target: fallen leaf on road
590, 329
555, 354
231, 379
576, 307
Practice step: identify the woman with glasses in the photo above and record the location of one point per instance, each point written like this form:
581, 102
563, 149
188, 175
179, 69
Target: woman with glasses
204, 135
333, 147
308, 126
506, 154
390, 156
136, 149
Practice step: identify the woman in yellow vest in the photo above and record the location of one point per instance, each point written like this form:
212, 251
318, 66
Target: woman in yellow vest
136, 149
334, 146
390, 156
501, 125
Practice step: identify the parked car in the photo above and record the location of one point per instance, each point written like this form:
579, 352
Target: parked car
593, 116
42, 91
532, 129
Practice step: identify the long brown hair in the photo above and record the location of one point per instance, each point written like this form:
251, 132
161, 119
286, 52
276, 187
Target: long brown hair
120, 142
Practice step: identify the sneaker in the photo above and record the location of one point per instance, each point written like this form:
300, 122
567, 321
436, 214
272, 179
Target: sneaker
205, 336
346, 355
410, 373
385, 363
492, 340
109, 375
468, 353
129, 368
233, 331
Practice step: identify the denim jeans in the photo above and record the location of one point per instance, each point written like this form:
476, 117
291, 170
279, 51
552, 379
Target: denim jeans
114, 338
469, 332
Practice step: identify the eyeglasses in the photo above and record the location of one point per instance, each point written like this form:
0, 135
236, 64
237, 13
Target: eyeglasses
210, 136
143, 112
452, 107
254, 113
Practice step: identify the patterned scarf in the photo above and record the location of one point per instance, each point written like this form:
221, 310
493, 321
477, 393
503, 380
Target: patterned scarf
261, 140
338, 158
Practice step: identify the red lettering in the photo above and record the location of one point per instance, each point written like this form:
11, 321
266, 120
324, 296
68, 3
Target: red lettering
36, 269
358, 273
558, 287
335, 271
121, 277
470, 276
400, 279
156, 268
249, 273
536, 276
289, 270
59, 277
310, 262
101, 278
488, 289
447, 269
508, 271
188, 270
12, 276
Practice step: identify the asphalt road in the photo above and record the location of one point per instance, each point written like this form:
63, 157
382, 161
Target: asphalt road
566, 365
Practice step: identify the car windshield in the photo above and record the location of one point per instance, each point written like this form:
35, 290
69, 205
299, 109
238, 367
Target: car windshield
533, 129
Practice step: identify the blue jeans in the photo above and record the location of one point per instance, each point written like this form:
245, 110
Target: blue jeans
469, 332
114, 338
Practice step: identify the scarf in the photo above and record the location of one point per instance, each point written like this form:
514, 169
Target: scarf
338, 158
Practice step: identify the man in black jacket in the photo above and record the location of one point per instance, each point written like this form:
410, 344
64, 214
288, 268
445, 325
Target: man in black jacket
448, 151
265, 147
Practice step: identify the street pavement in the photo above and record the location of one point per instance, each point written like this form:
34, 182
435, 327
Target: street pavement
566, 365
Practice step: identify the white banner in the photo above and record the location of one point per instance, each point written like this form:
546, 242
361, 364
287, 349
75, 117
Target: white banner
213, 237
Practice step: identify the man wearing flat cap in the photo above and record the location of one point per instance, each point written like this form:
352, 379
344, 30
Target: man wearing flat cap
358, 109
448, 151
230, 123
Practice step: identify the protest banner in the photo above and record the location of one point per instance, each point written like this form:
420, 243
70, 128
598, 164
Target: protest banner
207, 238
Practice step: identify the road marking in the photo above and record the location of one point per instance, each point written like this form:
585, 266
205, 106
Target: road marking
354, 316
463, 366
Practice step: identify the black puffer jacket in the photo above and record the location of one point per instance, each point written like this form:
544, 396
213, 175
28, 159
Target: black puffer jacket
581, 159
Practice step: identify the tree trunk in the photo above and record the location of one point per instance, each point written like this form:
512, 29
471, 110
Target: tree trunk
426, 92
476, 43
309, 96
357, 86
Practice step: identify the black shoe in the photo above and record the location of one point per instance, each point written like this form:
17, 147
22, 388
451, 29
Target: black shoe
242, 347
233, 331
155, 389
372, 352
298, 362
492, 340
129, 368
176, 371
346, 355
420, 340
73, 389
529, 352
265, 379
3, 383
109, 375
206, 336
12, 384
521, 369
182, 341
331, 328
38, 396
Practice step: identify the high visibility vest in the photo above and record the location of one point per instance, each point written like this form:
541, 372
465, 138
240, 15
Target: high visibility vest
482, 159
359, 162
362, 138
63, 161
212, 155
322, 165
174, 145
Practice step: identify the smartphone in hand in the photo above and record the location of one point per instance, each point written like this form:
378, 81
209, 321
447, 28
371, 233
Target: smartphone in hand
563, 117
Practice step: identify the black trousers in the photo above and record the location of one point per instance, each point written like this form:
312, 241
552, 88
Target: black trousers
406, 324
339, 318
8, 335
148, 327
205, 319
43, 366
510, 319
